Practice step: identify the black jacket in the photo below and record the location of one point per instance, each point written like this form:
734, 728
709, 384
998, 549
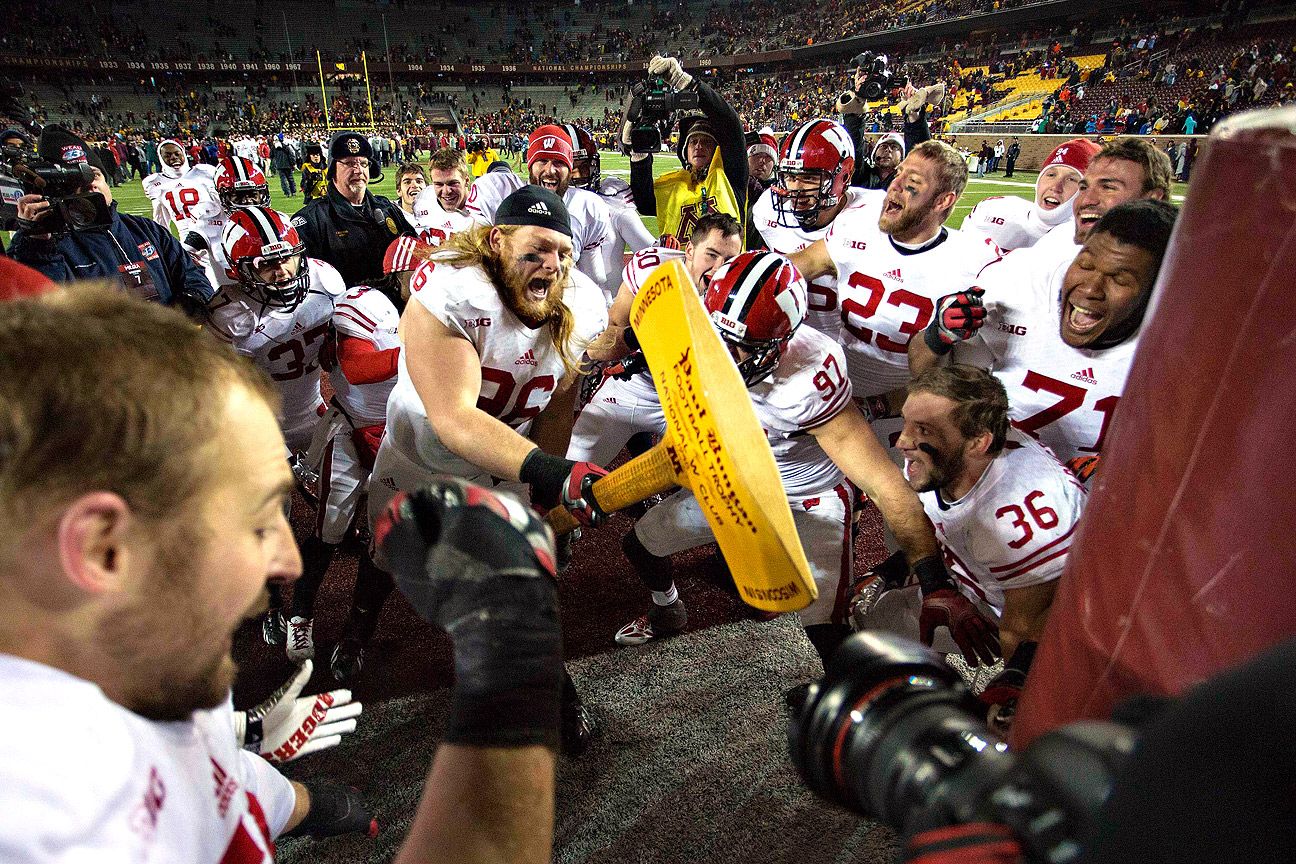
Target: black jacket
352, 239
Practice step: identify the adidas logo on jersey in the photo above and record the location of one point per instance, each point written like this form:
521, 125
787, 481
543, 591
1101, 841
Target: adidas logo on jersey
527, 359
1085, 375
540, 208
894, 274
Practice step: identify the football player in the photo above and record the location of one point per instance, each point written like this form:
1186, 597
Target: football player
626, 403
549, 166
893, 257
277, 311
363, 373
823, 448
1014, 223
440, 210
1061, 343
811, 187
186, 197
627, 225
1004, 508
491, 339
410, 182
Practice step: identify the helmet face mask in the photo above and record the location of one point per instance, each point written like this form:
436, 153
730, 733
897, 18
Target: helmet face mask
256, 239
240, 184
756, 301
821, 152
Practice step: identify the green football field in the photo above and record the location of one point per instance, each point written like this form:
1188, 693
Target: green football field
131, 199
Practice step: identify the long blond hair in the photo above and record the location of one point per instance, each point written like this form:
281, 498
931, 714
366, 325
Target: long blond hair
472, 248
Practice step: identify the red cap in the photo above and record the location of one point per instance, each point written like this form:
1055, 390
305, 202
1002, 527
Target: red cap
1075, 154
18, 282
549, 142
766, 143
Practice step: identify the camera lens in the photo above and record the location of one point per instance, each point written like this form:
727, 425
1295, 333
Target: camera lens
892, 733
79, 213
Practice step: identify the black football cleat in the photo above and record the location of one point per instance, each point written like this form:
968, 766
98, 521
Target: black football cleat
274, 630
347, 661
578, 729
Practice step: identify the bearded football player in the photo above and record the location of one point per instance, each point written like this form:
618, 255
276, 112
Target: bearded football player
492, 337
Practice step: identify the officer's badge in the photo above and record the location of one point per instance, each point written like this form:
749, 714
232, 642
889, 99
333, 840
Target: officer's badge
391, 226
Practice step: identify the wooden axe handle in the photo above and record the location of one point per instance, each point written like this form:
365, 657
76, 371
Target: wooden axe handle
643, 476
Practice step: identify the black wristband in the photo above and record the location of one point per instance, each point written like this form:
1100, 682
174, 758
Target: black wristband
932, 575
546, 473
932, 337
333, 810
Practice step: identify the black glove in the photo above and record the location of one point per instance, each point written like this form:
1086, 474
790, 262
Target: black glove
481, 567
958, 318
943, 605
196, 242
555, 481
629, 366
334, 810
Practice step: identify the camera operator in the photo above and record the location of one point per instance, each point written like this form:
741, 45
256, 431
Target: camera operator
871, 81
139, 254
712, 149
350, 227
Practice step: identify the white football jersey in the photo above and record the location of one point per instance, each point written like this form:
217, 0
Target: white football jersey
520, 367
888, 293
285, 343
822, 313
615, 191
591, 221
365, 313
1012, 222
628, 228
1063, 396
189, 201
1015, 526
433, 222
84, 779
807, 388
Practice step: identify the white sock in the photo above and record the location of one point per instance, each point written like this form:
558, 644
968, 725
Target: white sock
667, 597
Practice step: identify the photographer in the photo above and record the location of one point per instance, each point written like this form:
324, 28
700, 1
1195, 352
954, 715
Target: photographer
872, 80
711, 148
139, 254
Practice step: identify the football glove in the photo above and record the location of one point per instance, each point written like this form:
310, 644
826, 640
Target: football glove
976, 637
1083, 467
334, 810
287, 725
670, 69
578, 495
1003, 691
958, 318
555, 480
481, 567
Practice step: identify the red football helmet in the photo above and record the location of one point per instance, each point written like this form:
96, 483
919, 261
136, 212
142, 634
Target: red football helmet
257, 237
240, 183
820, 150
757, 301
584, 152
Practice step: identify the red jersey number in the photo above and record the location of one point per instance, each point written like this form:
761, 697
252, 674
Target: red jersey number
1071, 397
498, 404
855, 314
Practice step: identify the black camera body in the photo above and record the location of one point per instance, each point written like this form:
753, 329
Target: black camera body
892, 733
653, 105
63, 186
878, 80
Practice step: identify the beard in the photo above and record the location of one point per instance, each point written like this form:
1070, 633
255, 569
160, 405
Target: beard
944, 468
172, 658
516, 291
906, 221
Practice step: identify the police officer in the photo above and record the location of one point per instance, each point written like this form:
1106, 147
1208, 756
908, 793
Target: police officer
350, 227
135, 252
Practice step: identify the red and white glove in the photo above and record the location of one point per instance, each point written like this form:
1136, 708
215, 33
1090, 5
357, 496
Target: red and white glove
578, 496
287, 726
969, 843
976, 637
958, 318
